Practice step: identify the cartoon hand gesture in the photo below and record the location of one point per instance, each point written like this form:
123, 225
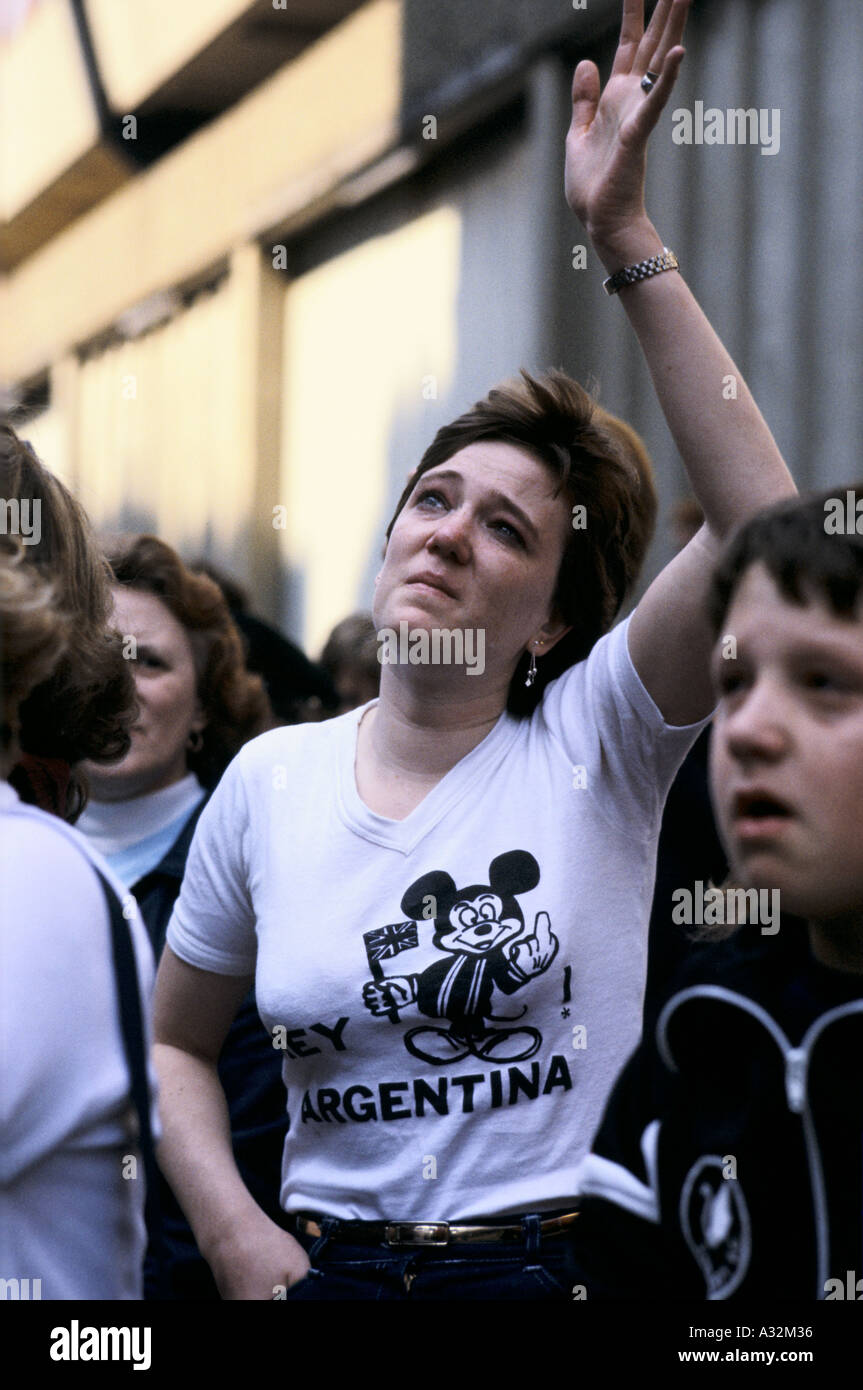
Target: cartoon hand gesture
534, 954
392, 993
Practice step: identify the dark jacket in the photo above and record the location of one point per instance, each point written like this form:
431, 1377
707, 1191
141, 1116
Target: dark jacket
689, 850
728, 1163
250, 1072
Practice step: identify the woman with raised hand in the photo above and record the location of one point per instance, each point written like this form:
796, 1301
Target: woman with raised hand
443, 896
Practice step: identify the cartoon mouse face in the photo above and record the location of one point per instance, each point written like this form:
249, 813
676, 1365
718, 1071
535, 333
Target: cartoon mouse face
478, 923
480, 931
479, 918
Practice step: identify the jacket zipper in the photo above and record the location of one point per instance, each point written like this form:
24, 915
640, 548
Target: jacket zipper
796, 1062
796, 1074
819, 1195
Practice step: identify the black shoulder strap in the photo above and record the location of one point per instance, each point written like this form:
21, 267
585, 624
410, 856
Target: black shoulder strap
132, 1028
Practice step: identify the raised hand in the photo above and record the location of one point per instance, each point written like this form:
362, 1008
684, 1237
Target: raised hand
532, 955
606, 145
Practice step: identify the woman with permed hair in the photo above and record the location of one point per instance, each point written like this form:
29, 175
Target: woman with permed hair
444, 895
197, 706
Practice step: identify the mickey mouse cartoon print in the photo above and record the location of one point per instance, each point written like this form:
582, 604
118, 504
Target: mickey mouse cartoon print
481, 930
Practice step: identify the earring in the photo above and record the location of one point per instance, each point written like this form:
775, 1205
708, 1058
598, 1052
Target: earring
195, 741
531, 670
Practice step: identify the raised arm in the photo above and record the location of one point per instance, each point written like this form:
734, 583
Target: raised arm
250, 1255
729, 454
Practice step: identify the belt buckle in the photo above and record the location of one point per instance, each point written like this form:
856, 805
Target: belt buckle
417, 1233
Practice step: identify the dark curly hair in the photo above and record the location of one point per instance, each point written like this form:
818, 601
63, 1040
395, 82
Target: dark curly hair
87, 705
601, 464
234, 702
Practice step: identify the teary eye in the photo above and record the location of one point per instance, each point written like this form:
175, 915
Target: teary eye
509, 532
431, 498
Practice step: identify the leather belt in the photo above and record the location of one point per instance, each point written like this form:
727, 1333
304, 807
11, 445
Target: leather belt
425, 1233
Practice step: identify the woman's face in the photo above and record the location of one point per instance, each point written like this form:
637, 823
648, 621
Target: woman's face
478, 545
166, 686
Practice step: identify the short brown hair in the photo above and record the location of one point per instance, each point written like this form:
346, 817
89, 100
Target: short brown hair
33, 637
86, 707
601, 464
233, 701
790, 538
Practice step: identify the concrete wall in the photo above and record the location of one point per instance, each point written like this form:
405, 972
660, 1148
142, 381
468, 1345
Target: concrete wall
481, 244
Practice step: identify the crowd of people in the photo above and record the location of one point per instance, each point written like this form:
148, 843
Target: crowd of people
403, 914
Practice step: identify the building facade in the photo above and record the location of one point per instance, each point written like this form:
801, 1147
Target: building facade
253, 260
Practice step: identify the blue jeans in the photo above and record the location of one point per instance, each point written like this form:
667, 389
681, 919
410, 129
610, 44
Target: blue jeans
538, 1267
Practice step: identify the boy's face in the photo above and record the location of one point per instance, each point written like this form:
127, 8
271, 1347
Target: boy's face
787, 749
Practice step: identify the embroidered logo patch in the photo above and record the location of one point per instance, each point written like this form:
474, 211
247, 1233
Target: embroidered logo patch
714, 1219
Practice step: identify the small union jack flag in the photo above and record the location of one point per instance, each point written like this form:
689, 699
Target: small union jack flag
387, 941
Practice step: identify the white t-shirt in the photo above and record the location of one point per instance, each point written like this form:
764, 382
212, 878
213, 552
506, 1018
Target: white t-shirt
68, 1216
518, 1003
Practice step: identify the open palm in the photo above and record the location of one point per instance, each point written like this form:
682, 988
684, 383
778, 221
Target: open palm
606, 145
